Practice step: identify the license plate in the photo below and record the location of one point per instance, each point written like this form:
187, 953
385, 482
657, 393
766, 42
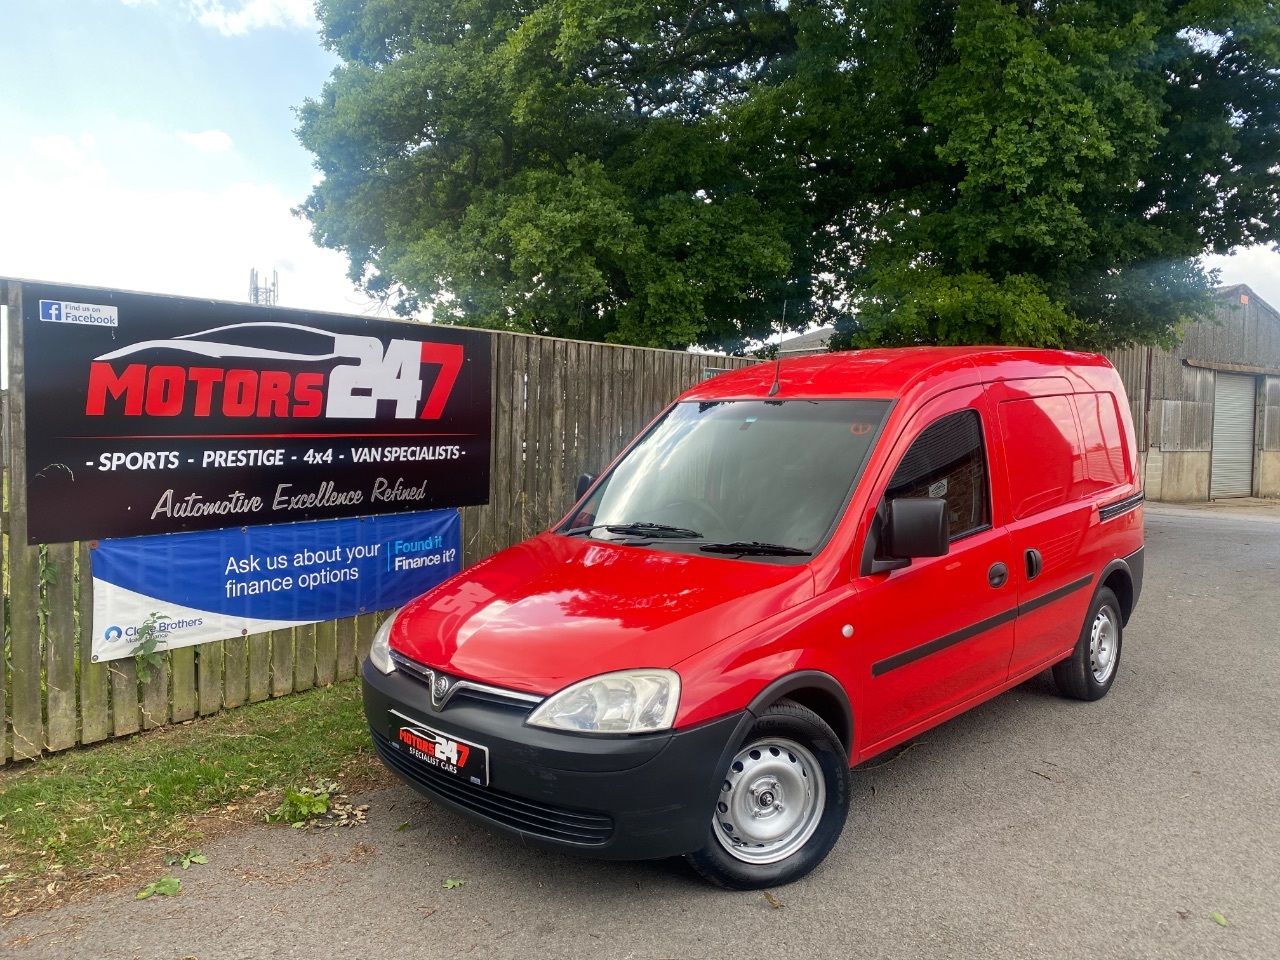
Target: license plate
441, 751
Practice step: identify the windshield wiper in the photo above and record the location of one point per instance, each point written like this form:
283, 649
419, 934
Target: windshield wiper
754, 548
655, 530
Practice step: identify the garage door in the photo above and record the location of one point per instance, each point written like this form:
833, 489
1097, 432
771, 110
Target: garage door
1233, 403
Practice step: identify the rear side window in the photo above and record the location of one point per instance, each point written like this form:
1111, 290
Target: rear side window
948, 461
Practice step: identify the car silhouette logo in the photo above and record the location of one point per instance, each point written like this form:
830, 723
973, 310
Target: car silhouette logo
247, 340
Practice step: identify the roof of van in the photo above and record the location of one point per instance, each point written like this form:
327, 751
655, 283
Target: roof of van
892, 372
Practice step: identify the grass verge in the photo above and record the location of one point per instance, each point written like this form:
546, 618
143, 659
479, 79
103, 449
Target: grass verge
87, 813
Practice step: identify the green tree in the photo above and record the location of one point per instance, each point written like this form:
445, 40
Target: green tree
1061, 166
565, 168
692, 171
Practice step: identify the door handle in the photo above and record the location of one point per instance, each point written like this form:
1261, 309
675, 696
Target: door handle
997, 575
1035, 563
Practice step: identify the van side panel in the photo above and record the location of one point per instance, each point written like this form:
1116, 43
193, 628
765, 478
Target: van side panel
1066, 454
1046, 463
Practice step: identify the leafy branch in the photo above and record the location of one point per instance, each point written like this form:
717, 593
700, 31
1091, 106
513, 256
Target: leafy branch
145, 651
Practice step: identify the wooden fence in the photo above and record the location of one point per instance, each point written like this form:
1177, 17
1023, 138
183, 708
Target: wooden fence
560, 408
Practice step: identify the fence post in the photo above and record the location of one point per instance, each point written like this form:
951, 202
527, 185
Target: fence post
95, 678
259, 667
24, 561
346, 630
5, 750
326, 653
60, 647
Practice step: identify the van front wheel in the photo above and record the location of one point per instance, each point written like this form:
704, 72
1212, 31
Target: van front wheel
1091, 669
782, 804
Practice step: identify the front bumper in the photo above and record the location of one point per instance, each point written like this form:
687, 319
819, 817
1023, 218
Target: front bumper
621, 798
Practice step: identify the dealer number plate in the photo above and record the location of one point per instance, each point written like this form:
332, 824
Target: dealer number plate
441, 751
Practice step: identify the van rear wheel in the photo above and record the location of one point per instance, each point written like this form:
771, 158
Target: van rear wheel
782, 804
1091, 669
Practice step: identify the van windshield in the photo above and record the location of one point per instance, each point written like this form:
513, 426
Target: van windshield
736, 477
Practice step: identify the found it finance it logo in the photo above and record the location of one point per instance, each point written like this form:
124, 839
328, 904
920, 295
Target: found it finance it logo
213, 383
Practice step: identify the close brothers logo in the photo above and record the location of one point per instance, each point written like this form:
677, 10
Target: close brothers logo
347, 391
113, 633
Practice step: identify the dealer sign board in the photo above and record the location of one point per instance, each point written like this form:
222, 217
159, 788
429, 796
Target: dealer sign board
216, 584
150, 414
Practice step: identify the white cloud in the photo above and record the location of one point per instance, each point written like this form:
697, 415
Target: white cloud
68, 220
1258, 266
65, 156
210, 141
237, 17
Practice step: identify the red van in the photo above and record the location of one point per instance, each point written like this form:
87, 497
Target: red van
795, 567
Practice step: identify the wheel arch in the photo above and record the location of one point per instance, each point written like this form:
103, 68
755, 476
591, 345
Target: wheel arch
1118, 578
817, 691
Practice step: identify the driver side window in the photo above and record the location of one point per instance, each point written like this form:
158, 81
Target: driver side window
948, 461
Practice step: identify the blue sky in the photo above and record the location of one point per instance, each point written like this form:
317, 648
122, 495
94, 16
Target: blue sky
148, 145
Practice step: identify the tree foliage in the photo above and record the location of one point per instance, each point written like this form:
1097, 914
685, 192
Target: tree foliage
693, 171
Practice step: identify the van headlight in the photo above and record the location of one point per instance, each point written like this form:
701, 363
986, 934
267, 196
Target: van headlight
629, 701
380, 652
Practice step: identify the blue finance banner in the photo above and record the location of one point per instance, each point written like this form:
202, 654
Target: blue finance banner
201, 587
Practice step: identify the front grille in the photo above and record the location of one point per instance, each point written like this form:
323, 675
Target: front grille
528, 816
463, 689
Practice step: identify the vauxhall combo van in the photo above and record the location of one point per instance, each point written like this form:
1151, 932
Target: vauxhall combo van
795, 567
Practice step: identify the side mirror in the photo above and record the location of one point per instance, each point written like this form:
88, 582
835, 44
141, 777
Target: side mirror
917, 527
584, 484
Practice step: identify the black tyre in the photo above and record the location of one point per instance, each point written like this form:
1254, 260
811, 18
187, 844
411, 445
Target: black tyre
1091, 669
782, 805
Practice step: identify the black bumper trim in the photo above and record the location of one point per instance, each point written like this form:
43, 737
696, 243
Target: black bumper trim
1137, 563
542, 820
618, 798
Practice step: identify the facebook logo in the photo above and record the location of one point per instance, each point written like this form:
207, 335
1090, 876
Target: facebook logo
85, 314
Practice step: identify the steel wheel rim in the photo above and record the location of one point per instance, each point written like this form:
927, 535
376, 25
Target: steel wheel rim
771, 801
1104, 645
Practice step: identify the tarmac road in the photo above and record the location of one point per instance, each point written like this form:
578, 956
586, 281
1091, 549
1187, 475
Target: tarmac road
1032, 826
